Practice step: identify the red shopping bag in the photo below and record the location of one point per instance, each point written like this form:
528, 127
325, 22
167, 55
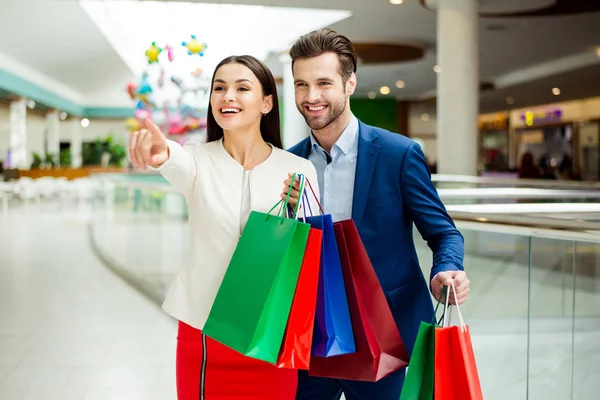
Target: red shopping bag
456, 376
297, 342
379, 347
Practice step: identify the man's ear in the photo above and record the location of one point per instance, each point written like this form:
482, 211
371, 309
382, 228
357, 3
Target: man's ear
268, 104
351, 84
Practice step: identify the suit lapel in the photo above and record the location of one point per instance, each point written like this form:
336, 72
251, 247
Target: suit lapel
365, 165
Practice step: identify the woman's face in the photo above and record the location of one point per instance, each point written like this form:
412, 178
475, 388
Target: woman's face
237, 98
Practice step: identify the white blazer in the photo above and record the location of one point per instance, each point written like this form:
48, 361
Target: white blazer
211, 181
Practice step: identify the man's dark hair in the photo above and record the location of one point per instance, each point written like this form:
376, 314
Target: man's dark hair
324, 41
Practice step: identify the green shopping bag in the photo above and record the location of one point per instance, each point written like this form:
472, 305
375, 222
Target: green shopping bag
253, 303
419, 381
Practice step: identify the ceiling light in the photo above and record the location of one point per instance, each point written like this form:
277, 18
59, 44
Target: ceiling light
598, 51
396, 1
437, 69
400, 84
555, 91
425, 117
372, 95
510, 100
63, 115
85, 123
384, 90
31, 104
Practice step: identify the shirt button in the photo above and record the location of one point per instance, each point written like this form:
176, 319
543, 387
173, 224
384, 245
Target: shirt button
329, 167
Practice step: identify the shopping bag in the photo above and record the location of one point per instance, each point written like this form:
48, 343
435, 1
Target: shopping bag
456, 376
379, 347
418, 384
251, 309
297, 342
332, 327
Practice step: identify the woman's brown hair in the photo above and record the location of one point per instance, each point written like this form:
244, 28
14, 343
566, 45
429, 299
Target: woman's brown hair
270, 128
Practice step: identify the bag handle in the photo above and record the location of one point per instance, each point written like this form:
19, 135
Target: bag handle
305, 205
315, 197
306, 202
300, 192
446, 321
460, 317
284, 203
290, 211
434, 320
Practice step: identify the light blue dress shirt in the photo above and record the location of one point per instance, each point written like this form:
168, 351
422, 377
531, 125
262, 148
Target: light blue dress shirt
336, 171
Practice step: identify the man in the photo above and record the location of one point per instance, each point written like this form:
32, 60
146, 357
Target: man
381, 180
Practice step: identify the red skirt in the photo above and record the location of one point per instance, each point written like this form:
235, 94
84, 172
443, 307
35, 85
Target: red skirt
208, 370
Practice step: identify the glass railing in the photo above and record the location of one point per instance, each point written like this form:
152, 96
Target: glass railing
139, 229
464, 181
520, 195
534, 310
534, 306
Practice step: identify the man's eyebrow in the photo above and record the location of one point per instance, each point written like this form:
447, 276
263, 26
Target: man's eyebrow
320, 79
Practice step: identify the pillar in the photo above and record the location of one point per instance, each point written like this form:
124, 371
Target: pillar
294, 125
17, 144
53, 131
76, 143
457, 86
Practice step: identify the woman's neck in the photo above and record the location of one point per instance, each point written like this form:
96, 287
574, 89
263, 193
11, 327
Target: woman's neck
248, 148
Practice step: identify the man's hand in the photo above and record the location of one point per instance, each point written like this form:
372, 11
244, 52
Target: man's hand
461, 284
148, 146
295, 191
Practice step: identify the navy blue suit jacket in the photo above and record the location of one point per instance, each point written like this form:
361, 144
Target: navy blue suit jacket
393, 191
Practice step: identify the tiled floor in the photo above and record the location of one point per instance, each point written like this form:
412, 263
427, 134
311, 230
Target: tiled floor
70, 329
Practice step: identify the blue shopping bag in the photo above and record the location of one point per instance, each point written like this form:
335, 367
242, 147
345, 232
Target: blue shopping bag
333, 334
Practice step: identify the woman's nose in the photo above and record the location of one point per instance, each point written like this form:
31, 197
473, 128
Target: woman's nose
229, 96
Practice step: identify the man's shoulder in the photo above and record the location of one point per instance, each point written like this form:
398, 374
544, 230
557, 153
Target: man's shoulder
299, 148
387, 139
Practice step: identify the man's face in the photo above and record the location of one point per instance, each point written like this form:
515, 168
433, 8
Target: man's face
321, 95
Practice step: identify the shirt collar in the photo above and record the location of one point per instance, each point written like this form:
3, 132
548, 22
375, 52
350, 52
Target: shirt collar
346, 139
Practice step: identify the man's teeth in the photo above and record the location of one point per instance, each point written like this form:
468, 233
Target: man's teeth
319, 108
229, 110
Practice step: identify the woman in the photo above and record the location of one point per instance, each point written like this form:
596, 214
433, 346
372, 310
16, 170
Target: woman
240, 168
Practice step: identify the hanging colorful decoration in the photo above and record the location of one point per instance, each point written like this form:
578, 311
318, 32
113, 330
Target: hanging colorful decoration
170, 54
195, 46
175, 101
152, 53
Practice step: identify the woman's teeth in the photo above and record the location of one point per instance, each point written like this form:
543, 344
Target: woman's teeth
229, 110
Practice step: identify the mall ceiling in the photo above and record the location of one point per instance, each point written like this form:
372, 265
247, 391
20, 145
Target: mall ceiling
527, 47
